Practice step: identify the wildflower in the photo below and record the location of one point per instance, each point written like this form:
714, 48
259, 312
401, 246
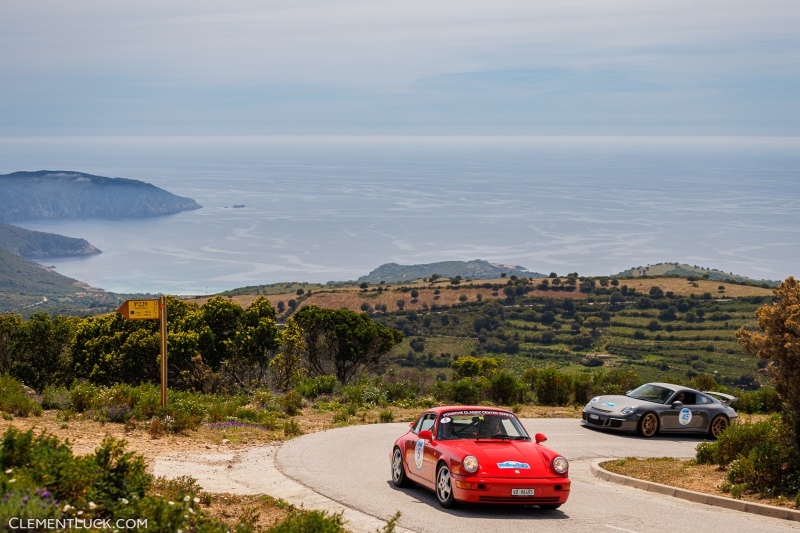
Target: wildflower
124, 501
186, 498
196, 500
12, 480
67, 507
171, 502
80, 513
191, 510
9, 470
92, 505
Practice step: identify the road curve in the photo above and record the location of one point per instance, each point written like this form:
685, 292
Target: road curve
351, 466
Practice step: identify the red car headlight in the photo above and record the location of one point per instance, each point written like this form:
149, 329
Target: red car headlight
470, 464
560, 465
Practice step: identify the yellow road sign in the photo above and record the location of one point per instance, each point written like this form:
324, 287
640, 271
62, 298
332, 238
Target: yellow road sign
140, 310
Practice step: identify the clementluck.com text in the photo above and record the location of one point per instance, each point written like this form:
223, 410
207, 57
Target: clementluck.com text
15, 523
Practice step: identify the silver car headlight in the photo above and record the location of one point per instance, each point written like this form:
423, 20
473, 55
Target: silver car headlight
594, 400
630, 410
560, 465
470, 464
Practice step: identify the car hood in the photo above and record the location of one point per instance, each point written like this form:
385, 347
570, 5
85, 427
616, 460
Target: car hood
519, 458
615, 404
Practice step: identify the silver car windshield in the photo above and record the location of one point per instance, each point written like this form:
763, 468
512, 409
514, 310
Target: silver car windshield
651, 393
474, 424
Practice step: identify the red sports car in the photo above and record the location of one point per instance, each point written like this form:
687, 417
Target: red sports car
482, 455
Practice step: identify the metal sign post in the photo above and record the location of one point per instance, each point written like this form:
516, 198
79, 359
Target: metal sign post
151, 310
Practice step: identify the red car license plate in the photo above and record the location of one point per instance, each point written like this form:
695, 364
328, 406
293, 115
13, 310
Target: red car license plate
522, 492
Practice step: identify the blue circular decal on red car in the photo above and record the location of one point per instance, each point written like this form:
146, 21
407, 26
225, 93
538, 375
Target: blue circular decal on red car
419, 453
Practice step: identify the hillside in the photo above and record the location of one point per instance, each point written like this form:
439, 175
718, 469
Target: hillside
27, 288
477, 269
38, 244
678, 332
66, 194
683, 270
24, 282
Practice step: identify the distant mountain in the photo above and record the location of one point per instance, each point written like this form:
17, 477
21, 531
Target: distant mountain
477, 269
684, 270
37, 244
66, 194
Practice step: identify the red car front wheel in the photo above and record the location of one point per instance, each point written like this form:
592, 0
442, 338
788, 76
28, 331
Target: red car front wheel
444, 488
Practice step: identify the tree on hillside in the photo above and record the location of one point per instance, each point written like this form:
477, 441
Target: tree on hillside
40, 350
222, 317
248, 351
10, 325
473, 367
344, 343
780, 344
287, 365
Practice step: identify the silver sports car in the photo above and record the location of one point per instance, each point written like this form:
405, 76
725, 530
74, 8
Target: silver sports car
662, 407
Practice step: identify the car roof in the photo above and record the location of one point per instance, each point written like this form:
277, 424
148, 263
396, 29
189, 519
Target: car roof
674, 387
447, 408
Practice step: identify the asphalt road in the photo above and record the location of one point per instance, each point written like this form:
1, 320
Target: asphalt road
351, 466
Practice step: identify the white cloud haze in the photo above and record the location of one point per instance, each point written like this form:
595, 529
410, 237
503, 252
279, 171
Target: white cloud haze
508, 67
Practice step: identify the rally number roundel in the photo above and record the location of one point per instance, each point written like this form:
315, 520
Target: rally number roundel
419, 450
685, 417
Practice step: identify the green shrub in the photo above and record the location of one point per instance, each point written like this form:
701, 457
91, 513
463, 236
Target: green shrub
36, 471
551, 387
56, 398
176, 488
761, 455
505, 389
353, 394
386, 416
402, 391
738, 489
313, 387
28, 504
221, 409
310, 522
583, 388
705, 452
374, 395
264, 399
341, 417
148, 402
740, 438
291, 402
82, 395
14, 400
763, 400
291, 428
465, 391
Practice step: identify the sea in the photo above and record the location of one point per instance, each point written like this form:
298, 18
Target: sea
331, 208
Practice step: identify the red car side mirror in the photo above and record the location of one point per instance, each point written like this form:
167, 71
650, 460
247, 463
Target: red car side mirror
411, 424
540, 438
425, 434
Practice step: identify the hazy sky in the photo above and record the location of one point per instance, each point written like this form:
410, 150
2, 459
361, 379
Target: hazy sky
186, 67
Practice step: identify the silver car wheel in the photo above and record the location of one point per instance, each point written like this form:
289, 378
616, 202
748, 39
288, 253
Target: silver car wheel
444, 491
398, 470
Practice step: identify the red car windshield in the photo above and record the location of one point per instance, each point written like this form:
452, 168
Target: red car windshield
475, 424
